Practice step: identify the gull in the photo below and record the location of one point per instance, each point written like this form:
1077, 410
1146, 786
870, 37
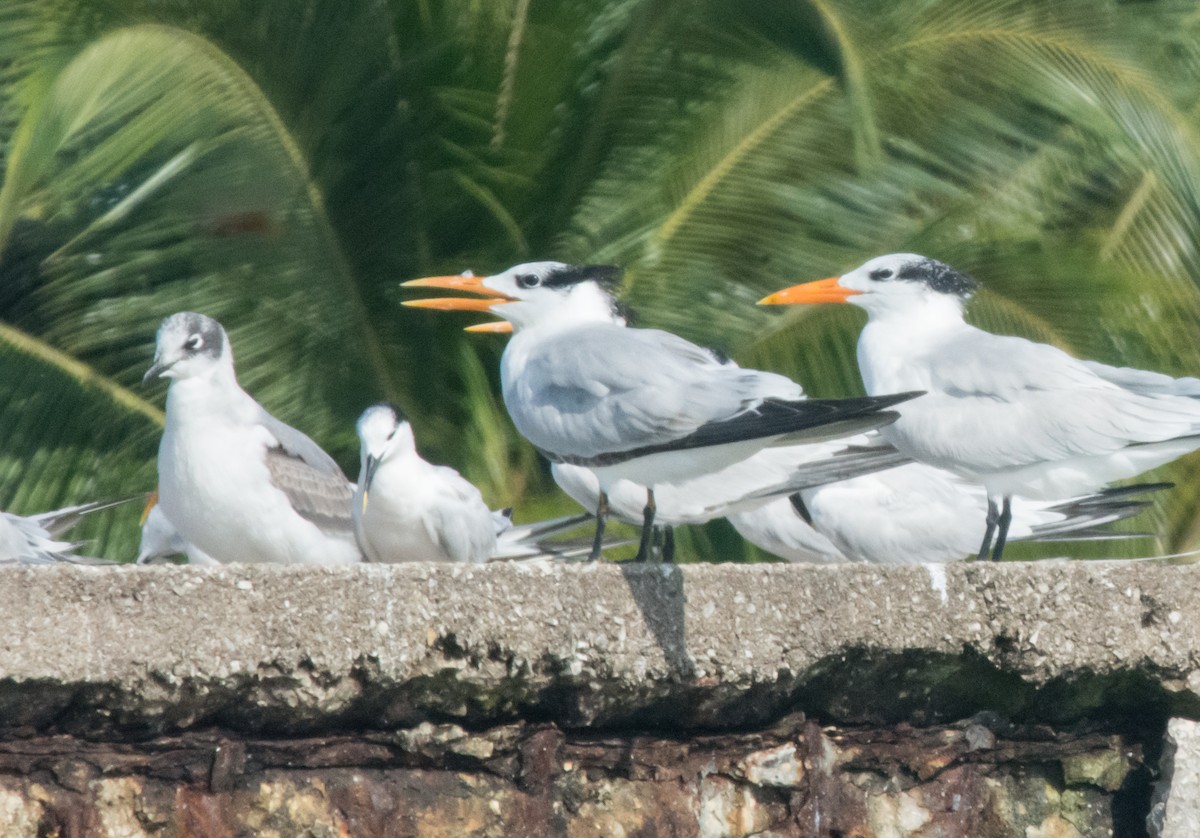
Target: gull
34, 539
1022, 418
408, 509
918, 514
642, 405
235, 482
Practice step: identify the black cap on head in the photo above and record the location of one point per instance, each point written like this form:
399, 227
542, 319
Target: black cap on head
940, 277
608, 276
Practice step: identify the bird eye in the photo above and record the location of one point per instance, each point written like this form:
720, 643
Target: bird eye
193, 343
528, 281
882, 273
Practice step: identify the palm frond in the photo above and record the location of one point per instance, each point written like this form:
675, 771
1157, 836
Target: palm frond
70, 435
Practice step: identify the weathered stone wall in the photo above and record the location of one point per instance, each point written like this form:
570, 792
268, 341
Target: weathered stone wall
578, 699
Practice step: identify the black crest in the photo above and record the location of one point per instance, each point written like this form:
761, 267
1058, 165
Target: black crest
625, 312
607, 276
940, 277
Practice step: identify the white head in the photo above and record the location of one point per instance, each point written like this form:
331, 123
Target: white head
383, 431
190, 345
896, 282
534, 293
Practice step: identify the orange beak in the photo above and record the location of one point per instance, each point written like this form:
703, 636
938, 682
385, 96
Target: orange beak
151, 501
470, 284
454, 303
821, 291
499, 327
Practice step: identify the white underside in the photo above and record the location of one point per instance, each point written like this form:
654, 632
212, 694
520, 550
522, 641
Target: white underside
215, 488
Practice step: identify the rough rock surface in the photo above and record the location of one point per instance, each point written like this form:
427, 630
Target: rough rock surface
795, 779
585, 699
1175, 809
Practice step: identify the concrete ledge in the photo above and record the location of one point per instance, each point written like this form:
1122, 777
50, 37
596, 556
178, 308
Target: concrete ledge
145, 651
594, 700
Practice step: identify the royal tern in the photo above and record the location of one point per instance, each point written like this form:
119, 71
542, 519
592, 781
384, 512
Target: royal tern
635, 404
235, 482
34, 539
1022, 418
918, 514
756, 481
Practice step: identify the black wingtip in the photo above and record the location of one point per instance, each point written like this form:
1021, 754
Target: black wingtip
895, 398
1136, 489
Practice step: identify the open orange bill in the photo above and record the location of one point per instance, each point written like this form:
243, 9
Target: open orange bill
469, 284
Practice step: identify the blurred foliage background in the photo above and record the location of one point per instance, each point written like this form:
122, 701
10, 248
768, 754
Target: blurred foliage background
283, 164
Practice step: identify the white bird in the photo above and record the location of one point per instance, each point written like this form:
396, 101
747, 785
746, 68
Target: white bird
160, 539
1022, 418
407, 509
758, 480
918, 514
34, 539
636, 404
235, 482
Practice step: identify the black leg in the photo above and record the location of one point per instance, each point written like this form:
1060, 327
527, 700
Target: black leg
644, 547
601, 518
993, 515
668, 554
1002, 530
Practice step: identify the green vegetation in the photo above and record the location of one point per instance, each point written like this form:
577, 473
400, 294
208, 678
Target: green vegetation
283, 165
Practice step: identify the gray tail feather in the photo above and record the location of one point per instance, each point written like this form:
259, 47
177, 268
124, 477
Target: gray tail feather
841, 428
527, 541
1085, 517
518, 533
59, 521
59, 557
854, 461
1097, 533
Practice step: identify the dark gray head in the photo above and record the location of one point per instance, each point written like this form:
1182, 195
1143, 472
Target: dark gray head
189, 344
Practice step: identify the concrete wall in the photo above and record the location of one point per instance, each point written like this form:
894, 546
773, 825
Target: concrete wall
578, 699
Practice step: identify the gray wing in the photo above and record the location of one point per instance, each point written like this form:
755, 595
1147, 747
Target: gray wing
59, 521
320, 497
1145, 382
605, 388
461, 522
998, 401
300, 445
312, 480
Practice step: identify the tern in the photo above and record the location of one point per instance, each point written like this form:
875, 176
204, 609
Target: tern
918, 514
754, 482
642, 405
160, 539
1022, 418
407, 509
235, 482
34, 539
